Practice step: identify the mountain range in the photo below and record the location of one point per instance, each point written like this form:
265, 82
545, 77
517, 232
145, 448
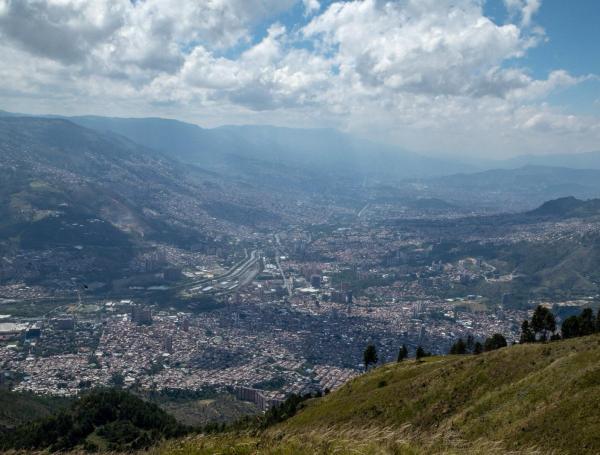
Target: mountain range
241, 149
97, 199
514, 190
232, 147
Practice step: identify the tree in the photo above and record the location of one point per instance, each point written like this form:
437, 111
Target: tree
420, 353
550, 322
370, 356
459, 347
586, 322
543, 322
496, 341
527, 335
477, 348
117, 379
598, 321
570, 327
470, 343
402, 353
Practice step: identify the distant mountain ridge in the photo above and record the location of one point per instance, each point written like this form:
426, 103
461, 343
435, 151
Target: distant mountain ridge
329, 150
586, 160
516, 190
233, 148
230, 147
568, 207
317, 162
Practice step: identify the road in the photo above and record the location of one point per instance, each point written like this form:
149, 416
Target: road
286, 283
363, 210
236, 277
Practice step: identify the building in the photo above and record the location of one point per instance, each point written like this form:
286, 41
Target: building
185, 324
33, 332
141, 315
9, 330
63, 323
168, 344
315, 281
257, 397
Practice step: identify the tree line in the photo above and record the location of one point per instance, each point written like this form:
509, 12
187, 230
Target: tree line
542, 326
370, 356
471, 346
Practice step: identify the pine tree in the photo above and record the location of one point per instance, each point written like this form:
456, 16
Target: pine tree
543, 322
459, 347
370, 356
470, 343
550, 324
477, 348
420, 353
402, 353
527, 335
586, 322
496, 341
570, 327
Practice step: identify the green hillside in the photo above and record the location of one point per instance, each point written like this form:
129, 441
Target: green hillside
101, 420
537, 398
18, 408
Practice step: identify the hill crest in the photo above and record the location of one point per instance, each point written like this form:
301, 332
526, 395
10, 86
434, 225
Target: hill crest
533, 398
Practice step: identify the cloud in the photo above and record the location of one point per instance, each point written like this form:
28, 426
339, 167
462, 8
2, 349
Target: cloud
420, 46
526, 9
151, 34
63, 31
311, 6
429, 74
554, 122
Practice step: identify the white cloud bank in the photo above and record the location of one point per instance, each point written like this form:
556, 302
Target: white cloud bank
433, 75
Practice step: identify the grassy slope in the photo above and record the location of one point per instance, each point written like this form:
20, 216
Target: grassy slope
197, 412
522, 398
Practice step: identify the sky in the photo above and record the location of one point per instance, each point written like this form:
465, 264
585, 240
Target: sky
479, 78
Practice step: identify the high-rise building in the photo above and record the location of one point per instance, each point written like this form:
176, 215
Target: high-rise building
168, 344
185, 324
315, 281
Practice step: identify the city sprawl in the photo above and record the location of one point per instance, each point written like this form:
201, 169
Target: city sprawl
277, 313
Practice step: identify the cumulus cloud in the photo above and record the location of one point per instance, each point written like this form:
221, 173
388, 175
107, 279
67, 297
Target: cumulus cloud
423, 46
64, 31
153, 34
526, 9
389, 69
549, 122
311, 6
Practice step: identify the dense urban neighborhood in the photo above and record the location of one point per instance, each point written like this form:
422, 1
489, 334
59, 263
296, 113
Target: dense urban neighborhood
289, 312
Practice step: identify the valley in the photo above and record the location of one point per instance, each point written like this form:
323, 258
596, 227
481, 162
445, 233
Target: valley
122, 262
